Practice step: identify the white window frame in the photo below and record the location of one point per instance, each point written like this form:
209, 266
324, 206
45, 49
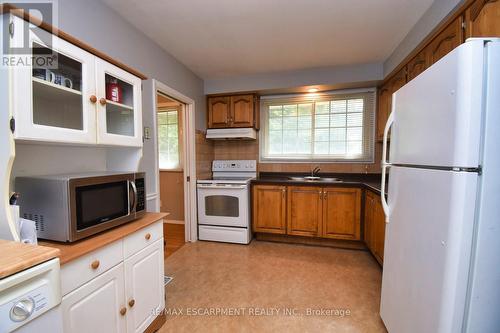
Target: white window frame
369, 120
179, 136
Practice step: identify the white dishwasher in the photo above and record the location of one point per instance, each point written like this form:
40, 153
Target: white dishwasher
29, 300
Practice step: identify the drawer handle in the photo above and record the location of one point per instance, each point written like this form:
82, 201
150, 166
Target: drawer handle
147, 236
95, 264
123, 311
131, 302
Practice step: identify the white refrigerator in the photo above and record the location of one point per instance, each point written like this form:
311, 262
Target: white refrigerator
442, 249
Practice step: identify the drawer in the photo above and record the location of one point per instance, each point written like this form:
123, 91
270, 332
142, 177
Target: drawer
77, 272
142, 238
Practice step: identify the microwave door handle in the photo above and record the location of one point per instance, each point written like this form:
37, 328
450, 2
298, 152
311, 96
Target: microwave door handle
133, 206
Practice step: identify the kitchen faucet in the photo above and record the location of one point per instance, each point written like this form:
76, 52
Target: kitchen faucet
315, 171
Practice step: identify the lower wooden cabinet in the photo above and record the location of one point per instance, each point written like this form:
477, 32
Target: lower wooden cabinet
341, 213
269, 209
304, 210
374, 225
312, 211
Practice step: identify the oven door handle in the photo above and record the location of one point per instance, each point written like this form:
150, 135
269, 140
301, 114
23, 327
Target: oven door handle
223, 187
133, 206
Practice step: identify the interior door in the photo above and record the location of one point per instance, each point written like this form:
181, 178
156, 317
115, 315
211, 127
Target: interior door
52, 101
119, 120
427, 249
437, 115
144, 288
95, 306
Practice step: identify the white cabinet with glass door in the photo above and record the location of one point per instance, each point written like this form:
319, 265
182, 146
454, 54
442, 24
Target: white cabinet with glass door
119, 116
53, 102
77, 98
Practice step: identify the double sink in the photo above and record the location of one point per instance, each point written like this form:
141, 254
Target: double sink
316, 179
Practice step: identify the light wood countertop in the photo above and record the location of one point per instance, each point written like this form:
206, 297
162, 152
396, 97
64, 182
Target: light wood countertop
16, 257
72, 251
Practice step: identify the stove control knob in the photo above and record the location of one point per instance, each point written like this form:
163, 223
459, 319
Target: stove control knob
22, 309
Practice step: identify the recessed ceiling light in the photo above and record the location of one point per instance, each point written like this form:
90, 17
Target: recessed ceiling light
312, 90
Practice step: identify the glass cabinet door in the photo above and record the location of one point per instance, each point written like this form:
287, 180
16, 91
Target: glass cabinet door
53, 100
119, 116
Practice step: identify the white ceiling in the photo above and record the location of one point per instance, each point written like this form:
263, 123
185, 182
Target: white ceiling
221, 38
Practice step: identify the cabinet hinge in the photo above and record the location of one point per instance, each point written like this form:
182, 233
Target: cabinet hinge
464, 25
188, 178
11, 29
12, 125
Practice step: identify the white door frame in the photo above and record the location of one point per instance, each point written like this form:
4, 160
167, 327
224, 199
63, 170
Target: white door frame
188, 157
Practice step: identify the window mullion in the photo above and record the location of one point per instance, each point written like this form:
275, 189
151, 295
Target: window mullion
313, 126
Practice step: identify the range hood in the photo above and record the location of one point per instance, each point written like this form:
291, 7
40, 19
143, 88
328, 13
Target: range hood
232, 134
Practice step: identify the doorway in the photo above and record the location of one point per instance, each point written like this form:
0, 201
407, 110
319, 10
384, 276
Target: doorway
170, 131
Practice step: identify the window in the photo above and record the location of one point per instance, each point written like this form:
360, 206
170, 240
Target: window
168, 138
327, 127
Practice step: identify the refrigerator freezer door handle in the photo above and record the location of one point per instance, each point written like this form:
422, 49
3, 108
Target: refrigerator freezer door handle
385, 166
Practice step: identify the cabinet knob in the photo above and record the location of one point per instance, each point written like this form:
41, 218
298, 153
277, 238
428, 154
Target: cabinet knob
131, 302
147, 236
102, 101
93, 99
95, 264
123, 311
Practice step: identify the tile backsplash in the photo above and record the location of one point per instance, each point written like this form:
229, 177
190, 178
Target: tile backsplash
249, 150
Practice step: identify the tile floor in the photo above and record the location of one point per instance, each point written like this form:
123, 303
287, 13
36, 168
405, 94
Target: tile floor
253, 280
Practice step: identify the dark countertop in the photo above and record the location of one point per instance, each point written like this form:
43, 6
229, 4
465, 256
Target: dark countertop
368, 181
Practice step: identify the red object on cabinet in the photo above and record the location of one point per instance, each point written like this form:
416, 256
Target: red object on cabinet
114, 92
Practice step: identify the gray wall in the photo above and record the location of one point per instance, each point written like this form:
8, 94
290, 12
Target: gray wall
99, 26
431, 18
291, 79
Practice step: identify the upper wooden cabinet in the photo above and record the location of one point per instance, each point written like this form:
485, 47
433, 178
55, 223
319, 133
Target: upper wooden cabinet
341, 213
418, 64
385, 100
483, 19
233, 111
83, 99
451, 37
269, 209
218, 112
304, 210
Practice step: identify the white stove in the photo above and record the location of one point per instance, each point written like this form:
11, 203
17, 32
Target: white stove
224, 202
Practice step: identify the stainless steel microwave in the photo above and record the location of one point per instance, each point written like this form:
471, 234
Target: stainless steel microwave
70, 207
